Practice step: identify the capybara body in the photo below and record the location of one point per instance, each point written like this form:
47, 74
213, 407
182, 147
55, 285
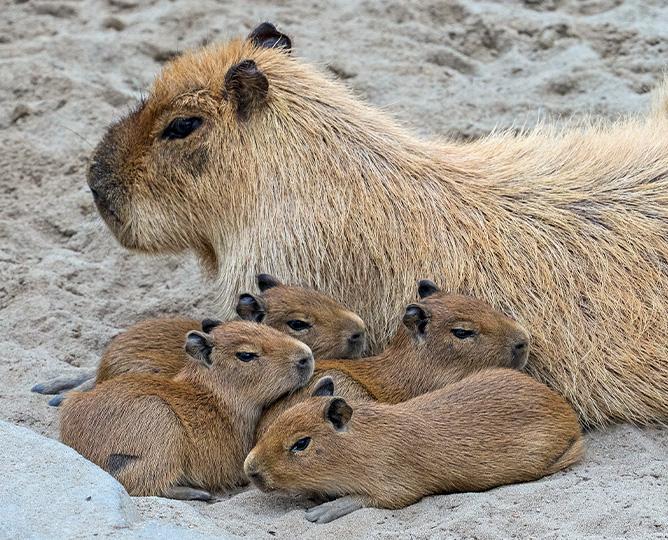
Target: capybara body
158, 435
156, 345
443, 338
255, 160
493, 428
151, 346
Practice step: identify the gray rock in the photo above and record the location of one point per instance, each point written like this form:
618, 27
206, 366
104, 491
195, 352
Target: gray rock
50, 491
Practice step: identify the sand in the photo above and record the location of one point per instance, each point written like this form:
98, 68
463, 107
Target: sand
443, 67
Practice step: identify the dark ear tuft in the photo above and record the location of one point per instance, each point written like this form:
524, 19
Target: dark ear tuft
210, 324
268, 37
426, 287
324, 388
338, 412
265, 281
416, 319
199, 346
250, 308
246, 86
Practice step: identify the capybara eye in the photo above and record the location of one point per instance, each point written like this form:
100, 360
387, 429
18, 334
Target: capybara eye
462, 333
301, 445
298, 325
180, 128
246, 356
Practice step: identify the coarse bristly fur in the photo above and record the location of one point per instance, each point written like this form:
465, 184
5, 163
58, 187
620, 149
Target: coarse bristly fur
424, 355
159, 436
156, 345
566, 228
493, 428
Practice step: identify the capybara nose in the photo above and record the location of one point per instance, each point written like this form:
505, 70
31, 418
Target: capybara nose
99, 175
357, 343
520, 354
305, 362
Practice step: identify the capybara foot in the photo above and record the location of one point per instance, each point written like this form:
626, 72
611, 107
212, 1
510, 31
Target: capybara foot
329, 511
64, 382
185, 493
56, 401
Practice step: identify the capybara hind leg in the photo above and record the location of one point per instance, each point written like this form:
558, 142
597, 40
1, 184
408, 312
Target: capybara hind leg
152, 459
142, 476
572, 455
85, 386
64, 382
185, 493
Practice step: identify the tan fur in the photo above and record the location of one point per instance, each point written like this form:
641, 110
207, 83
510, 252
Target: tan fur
416, 364
493, 428
156, 345
151, 346
154, 433
565, 228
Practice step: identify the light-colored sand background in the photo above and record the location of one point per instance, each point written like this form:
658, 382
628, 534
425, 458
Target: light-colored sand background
444, 67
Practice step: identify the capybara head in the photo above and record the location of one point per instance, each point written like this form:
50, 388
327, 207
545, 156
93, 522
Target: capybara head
163, 172
328, 328
305, 450
250, 359
464, 331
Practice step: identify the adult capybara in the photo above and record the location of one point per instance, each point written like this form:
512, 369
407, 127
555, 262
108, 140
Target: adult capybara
255, 160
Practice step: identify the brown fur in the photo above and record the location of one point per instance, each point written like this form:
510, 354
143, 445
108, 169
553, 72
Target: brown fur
493, 428
151, 346
416, 363
154, 434
156, 345
565, 228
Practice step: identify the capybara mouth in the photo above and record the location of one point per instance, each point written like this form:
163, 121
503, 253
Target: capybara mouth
356, 349
260, 482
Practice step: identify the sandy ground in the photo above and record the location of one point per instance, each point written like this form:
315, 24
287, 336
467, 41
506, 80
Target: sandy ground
443, 67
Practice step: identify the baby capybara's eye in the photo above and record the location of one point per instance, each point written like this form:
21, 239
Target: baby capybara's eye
298, 325
246, 356
180, 128
462, 333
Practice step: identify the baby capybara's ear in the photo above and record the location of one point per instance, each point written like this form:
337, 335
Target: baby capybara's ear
426, 287
416, 320
266, 35
250, 308
210, 324
199, 347
246, 87
338, 413
323, 388
266, 281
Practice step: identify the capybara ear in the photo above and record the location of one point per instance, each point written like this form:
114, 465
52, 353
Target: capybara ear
265, 281
416, 319
426, 287
199, 347
210, 324
246, 86
250, 308
323, 388
338, 412
268, 37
